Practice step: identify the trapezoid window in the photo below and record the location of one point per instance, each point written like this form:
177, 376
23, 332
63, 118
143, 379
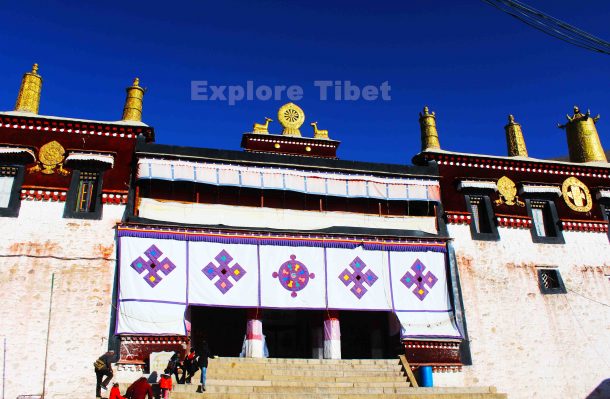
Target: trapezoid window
545, 226
483, 226
550, 281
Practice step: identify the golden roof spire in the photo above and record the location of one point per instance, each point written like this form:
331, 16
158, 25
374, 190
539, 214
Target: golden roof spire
133, 103
429, 134
28, 99
514, 138
583, 140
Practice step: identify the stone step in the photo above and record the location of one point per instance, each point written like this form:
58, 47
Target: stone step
421, 393
303, 366
291, 373
268, 389
301, 361
290, 384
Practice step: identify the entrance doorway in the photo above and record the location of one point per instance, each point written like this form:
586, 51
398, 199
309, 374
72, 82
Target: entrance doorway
367, 335
293, 333
223, 328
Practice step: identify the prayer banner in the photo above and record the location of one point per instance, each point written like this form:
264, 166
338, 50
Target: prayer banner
162, 273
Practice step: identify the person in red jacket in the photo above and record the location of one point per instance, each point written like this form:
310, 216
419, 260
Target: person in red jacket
139, 389
115, 392
165, 384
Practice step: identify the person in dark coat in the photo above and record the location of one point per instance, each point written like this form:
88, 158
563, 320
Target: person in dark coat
189, 367
173, 366
139, 389
202, 362
104, 371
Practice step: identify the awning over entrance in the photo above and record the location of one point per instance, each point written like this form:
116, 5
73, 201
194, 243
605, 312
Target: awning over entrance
309, 182
162, 272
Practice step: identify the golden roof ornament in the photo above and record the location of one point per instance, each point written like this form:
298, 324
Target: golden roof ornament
133, 103
50, 159
28, 99
262, 128
583, 140
317, 133
514, 138
291, 117
429, 134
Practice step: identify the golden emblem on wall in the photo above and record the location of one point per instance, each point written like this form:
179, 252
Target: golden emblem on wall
508, 192
576, 195
291, 117
50, 159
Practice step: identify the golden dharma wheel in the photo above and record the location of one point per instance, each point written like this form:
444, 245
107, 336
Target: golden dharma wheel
291, 117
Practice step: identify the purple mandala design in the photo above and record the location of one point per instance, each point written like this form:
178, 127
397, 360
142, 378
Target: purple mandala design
358, 277
419, 279
293, 275
223, 271
153, 266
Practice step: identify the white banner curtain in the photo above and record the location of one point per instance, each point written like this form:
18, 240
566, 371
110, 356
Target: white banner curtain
162, 273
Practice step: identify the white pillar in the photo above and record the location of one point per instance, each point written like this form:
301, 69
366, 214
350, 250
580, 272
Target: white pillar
332, 335
254, 334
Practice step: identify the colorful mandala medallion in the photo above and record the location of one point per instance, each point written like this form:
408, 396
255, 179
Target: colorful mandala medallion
293, 275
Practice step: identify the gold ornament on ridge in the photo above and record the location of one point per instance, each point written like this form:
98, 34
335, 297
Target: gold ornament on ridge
508, 193
583, 140
133, 103
50, 159
317, 133
291, 117
514, 138
28, 99
429, 134
576, 195
262, 128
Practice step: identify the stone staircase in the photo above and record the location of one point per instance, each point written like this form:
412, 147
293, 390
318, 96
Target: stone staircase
313, 378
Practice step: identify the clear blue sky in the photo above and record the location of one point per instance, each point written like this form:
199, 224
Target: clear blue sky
469, 62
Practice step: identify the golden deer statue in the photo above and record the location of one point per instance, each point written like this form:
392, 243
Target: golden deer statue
262, 128
317, 133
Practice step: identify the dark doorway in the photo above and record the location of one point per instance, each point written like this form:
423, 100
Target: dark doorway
223, 328
366, 335
291, 333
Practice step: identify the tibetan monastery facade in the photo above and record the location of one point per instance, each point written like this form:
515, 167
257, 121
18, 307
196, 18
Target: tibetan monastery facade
530, 240
65, 185
282, 250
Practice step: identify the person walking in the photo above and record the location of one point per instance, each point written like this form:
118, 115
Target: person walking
173, 365
103, 368
202, 362
140, 389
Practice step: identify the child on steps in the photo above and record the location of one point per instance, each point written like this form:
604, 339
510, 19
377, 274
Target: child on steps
165, 384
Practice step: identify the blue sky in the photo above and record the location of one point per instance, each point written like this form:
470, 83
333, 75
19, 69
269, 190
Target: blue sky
469, 62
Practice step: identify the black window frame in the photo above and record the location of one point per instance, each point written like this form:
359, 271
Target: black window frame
553, 274
14, 203
487, 216
70, 211
554, 233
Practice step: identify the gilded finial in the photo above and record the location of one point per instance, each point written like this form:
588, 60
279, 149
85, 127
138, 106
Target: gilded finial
262, 128
28, 99
429, 134
291, 117
583, 140
133, 103
514, 138
317, 133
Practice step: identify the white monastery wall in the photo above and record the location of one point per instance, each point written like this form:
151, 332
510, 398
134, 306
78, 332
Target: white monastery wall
527, 344
82, 255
